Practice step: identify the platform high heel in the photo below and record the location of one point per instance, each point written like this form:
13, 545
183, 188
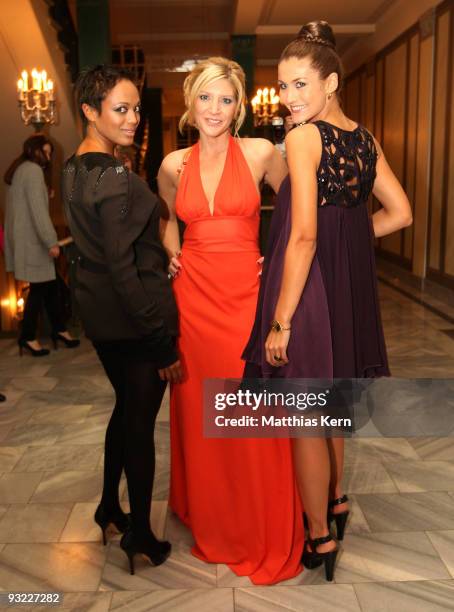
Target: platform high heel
312, 558
69, 343
23, 344
119, 519
339, 518
156, 551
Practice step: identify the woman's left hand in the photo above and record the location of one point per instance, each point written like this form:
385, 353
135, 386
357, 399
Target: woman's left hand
276, 347
54, 251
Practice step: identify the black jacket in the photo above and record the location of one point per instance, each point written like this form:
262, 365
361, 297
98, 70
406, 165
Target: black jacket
122, 287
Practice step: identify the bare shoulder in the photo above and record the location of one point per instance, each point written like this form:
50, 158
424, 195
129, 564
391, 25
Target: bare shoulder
307, 135
173, 161
257, 148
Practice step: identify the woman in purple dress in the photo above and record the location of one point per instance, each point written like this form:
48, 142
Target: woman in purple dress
319, 288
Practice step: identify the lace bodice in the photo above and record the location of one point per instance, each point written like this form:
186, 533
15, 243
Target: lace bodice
346, 172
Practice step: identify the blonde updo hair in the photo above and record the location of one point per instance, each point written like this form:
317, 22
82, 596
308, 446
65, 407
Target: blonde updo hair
206, 72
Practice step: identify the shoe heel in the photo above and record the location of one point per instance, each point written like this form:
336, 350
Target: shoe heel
330, 561
104, 536
68, 342
131, 563
341, 521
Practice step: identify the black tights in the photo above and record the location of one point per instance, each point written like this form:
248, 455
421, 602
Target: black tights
130, 434
42, 293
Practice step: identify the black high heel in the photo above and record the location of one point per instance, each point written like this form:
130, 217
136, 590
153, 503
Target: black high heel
156, 551
312, 558
69, 343
104, 519
340, 518
23, 344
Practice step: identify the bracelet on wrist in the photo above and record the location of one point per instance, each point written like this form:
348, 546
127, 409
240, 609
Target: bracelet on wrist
278, 326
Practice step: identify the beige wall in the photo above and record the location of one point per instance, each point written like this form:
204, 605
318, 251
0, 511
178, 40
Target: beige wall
400, 16
28, 40
413, 81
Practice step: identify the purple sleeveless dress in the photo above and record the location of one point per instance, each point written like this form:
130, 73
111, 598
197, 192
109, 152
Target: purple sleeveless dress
336, 328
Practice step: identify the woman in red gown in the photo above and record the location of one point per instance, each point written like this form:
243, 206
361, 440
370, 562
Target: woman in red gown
237, 496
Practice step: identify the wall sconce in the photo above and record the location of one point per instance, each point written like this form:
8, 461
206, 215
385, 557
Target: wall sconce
10, 304
36, 98
14, 304
265, 105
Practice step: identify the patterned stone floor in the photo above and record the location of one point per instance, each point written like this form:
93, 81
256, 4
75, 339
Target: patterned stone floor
398, 553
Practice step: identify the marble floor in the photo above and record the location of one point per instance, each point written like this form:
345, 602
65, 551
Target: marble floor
397, 555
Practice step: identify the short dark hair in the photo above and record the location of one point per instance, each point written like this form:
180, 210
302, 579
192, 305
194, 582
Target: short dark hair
317, 41
93, 85
33, 150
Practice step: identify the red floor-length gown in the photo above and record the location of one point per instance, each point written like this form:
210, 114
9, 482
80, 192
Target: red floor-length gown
238, 496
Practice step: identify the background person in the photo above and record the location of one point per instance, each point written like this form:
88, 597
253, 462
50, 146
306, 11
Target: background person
126, 155
31, 244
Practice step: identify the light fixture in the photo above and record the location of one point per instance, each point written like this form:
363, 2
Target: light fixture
265, 105
36, 99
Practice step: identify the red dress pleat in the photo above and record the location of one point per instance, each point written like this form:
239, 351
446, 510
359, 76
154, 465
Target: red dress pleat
238, 496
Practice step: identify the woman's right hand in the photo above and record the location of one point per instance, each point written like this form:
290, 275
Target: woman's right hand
175, 266
172, 373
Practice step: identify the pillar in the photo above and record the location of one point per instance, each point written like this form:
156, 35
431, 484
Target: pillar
243, 52
93, 23
152, 113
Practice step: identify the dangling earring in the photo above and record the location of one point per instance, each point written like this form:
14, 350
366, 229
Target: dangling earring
329, 96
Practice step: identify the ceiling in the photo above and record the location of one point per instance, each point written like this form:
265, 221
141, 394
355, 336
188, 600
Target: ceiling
172, 31
278, 12
203, 27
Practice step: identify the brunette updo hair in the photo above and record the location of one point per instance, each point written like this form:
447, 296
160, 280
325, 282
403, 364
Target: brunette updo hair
93, 85
317, 41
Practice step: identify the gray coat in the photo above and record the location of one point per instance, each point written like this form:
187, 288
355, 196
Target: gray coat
29, 233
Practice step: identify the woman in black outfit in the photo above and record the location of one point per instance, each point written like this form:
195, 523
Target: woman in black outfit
124, 295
